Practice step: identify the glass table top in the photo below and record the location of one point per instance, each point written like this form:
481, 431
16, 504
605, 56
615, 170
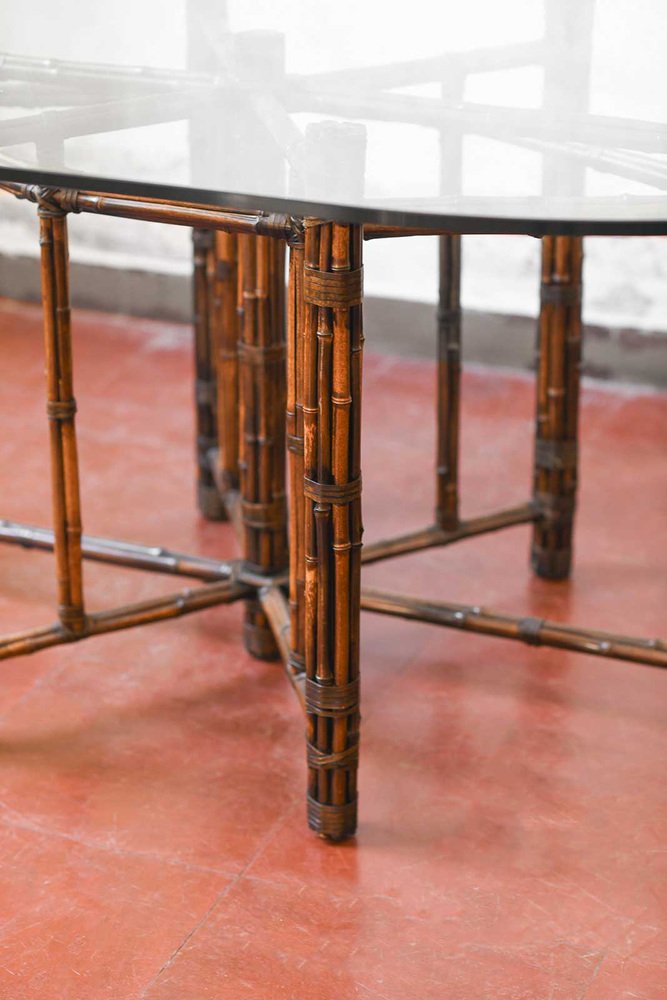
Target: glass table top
484, 116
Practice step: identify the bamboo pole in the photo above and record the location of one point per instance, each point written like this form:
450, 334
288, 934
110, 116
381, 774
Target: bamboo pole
262, 422
434, 536
129, 616
275, 607
295, 452
209, 500
277, 610
534, 631
225, 336
154, 558
448, 383
559, 359
158, 210
61, 407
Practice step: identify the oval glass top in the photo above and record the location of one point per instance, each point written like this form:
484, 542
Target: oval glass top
515, 116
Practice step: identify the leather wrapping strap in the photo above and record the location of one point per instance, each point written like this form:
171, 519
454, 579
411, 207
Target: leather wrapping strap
256, 355
263, 515
72, 619
560, 295
529, 630
551, 505
332, 492
62, 409
556, 455
333, 289
335, 822
294, 444
329, 761
333, 700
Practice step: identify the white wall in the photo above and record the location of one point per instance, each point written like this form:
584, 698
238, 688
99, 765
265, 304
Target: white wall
626, 279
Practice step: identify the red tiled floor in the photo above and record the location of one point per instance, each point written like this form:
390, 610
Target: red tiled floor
513, 813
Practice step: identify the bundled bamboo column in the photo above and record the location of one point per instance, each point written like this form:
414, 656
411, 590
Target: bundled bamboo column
61, 407
208, 498
262, 421
330, 330
559, 358
225, 336
449, 383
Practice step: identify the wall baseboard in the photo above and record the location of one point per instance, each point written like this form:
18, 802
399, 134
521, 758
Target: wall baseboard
392, 326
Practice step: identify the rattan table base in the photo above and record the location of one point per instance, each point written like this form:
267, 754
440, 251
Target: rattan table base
303, 600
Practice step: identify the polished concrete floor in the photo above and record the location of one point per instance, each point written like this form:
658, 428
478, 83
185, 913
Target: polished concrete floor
513, 834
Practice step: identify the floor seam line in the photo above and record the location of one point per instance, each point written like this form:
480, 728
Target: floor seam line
219, 899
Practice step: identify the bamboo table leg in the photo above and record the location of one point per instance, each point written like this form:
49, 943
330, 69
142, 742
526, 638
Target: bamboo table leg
61, 407
225, 338
208, 498
262, 422
559, 358
449, 383
325, 303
